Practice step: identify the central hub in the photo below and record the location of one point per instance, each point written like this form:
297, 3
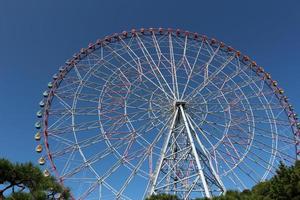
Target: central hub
177, 103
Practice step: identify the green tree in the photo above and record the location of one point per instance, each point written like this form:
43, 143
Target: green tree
27, 182
286, 183
163, 197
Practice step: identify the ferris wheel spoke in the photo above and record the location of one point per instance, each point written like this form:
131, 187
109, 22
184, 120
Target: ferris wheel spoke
231, 171
258, 107
207, 64
142, 160
212, 76
78, 73
77, 111
89, 97
256, 93
146, 77
153, 67
94, 159
216, 129
249, 174
255, 106
256, 159
135, 58
133, 136
63, 102
135, 117
259, 159
69, 159
139, 132
79, 127
200, 130
173, 67
90, 190
69, 84
156, 46
64, 141
236, 165
143, 89
91, 85
192, 70
265, 134
213, 136
233, 147
61, 120
187, 67
237, 120
242, 183
70, 146
232, 89
262, 145
234, 158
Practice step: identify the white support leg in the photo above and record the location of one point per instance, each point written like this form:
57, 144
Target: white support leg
207, 156
162, 155
201, 173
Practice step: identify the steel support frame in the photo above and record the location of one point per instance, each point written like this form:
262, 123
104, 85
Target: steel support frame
192, 139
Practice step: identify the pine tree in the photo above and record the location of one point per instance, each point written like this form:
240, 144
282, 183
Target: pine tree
27, 182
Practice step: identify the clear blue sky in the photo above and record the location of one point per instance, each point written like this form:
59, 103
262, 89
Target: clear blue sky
36, 37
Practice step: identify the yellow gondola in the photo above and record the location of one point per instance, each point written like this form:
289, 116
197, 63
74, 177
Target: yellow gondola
39, 148
37, 136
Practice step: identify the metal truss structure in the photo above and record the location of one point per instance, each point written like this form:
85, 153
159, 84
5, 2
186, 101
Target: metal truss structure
163, 111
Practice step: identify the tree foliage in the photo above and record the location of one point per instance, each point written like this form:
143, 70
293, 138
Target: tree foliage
285, 185
27, 182
163, 197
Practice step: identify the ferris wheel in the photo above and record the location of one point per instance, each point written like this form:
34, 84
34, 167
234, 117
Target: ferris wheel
163, 111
